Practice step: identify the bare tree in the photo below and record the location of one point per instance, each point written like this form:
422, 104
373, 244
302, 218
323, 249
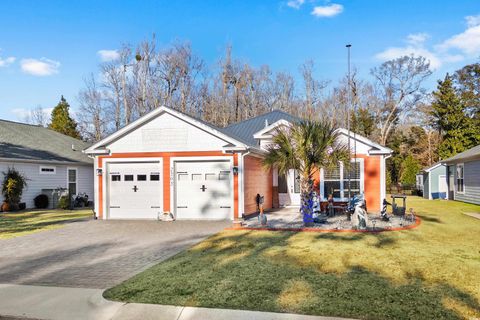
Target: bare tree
399, 88
92, 116
37, 116
312, 89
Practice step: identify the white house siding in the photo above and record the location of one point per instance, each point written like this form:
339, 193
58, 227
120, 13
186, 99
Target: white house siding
471, 175
166, 133
36, 181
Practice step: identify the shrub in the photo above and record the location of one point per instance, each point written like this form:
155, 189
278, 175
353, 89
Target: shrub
64, 203
41, 201
12, 186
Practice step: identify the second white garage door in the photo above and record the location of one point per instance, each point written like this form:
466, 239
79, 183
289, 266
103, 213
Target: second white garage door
134, 190
203, 190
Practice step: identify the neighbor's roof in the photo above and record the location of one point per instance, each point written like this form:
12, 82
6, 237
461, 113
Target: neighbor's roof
433, 166
22, 141
245, 130
470, 154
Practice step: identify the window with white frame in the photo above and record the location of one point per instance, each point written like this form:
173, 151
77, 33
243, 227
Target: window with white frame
47, 170
460, 182
335, 180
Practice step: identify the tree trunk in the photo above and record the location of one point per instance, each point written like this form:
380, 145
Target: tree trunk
306, 208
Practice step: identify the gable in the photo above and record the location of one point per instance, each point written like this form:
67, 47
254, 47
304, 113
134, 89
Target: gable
166, 132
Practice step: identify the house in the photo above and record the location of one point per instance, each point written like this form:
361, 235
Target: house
433, 181
167, 161
463, 171
48, 159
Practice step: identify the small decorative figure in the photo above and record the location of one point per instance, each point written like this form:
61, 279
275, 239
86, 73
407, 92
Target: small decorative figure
360, 217
383, 213
262, 218
330, 208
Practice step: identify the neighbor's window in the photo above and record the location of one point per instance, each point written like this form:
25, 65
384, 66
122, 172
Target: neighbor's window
460, 182
47, 170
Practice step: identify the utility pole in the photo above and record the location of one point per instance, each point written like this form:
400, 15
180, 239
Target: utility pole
349, 102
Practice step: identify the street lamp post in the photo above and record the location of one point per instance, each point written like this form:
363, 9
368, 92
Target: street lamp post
349, 102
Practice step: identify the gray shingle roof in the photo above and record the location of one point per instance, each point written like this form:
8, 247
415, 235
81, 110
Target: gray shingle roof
245, 130
29, 142
467, 154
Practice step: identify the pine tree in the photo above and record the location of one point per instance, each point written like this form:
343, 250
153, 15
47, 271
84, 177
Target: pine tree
448, 115
410, 168
61, 120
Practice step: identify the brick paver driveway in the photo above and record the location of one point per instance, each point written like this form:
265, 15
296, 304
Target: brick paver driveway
96, 254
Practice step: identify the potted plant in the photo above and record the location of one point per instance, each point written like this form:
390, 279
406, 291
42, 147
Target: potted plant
12, 188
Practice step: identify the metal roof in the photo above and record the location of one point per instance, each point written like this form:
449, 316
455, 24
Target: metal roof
245, 130
470, 154
36, 143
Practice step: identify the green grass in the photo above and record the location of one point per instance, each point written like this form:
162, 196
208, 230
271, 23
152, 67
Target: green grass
14, 224
430, 272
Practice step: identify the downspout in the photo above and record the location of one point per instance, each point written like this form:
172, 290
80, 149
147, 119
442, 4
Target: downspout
242, 183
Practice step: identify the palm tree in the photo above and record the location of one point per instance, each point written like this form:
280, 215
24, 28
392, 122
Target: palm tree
306, 146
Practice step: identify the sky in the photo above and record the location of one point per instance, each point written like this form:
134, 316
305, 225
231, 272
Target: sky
47, 48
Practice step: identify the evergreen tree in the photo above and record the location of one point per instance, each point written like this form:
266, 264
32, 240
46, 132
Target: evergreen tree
61, 120
449, 116
363, 122
410, 168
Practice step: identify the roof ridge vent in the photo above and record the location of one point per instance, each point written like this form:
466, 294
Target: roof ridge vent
266, 123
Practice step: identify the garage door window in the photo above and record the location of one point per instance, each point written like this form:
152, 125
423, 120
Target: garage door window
224, 175
210, 176
182, 176
128, 177
154, 177
116, 177
141, 177
196, 176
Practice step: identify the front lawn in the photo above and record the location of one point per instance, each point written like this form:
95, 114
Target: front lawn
431, 272
14, 224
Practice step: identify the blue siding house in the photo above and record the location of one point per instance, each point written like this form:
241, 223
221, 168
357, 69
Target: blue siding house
434, 182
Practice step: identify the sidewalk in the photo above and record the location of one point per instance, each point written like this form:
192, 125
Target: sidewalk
37, 302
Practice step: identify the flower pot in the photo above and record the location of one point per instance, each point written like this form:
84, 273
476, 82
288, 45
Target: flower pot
5, 207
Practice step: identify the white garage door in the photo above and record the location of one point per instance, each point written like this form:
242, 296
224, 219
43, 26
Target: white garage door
135, 190
203, 190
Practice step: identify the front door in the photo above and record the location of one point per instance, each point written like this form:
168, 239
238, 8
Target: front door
289, 189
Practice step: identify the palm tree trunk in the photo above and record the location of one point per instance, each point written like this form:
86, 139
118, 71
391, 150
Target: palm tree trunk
306, 185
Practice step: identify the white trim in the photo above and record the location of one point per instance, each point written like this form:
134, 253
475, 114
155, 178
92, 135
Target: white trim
40, 168
434, 167
106, 161
429, 187
200, 159
381, 149
383, 180
151, 115
261, 134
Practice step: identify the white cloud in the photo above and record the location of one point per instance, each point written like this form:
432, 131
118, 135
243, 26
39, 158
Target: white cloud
108, 55
417, 38
39, 67
467, 42
454, 49
327, 11
296, 4
5, 62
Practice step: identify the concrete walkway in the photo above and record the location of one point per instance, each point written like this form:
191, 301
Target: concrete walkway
472, 214
37, 302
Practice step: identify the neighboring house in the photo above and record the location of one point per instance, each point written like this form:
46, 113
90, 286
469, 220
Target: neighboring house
433, 181
48, 159
167, 161
463, 172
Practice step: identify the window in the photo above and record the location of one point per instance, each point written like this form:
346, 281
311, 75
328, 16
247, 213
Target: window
47, 170
116, 177
141, 177
460, 182
210, 176
182, 176
128, 177
335, 180
154, 177
224, 175
72, 181
196, 176
332, 182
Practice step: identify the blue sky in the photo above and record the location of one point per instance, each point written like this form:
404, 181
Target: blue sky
48, 47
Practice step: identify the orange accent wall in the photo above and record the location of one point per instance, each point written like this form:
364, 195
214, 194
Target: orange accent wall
372, 183
166, 173
256, 180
